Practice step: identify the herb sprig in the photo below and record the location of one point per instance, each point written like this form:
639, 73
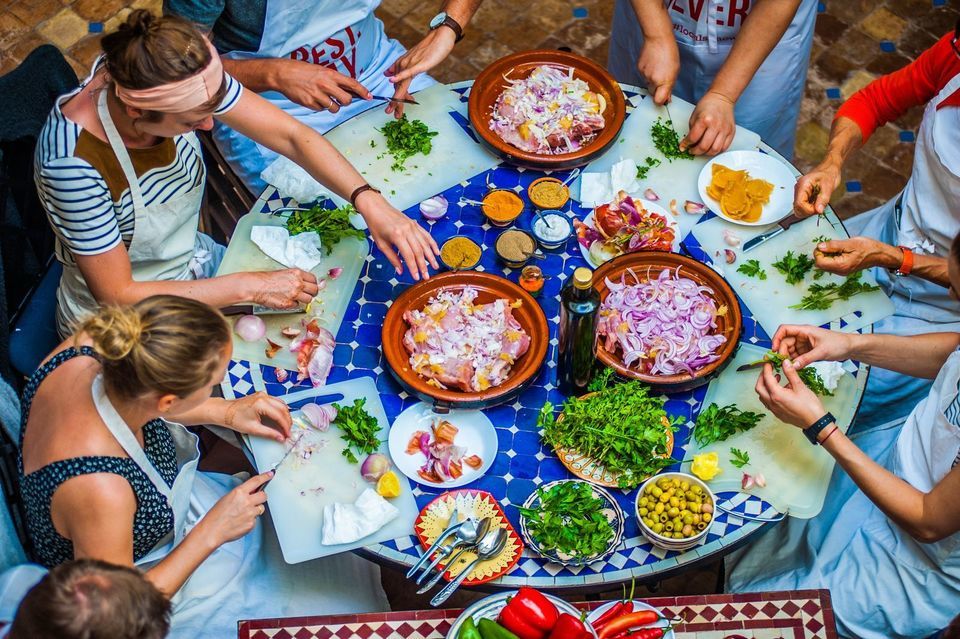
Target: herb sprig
740, 457
667, 141
794, 267
359, 428
570, 520
719, 423
752, 268
406, 138
332, 225
808, 375
644, 169
820, 297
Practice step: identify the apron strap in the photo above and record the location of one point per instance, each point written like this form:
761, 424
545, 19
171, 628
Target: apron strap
120, 150
125, 437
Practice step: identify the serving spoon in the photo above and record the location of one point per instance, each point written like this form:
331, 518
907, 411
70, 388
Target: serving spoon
489, 547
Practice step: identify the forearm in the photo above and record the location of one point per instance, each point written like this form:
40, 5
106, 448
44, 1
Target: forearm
173, 570
213, 411
257, 74
928, 267
845, 138
761, 32
917, 355
654, 22
461, 10
215, 291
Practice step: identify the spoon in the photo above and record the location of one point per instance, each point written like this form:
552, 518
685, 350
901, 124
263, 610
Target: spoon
453, 524
570, 178
467, 535
466, 200
433, 581
491, 545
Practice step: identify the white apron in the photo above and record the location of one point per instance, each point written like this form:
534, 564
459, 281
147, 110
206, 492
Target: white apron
343, 35
705, 31
245, 578
884, 583
928, 213
165, 243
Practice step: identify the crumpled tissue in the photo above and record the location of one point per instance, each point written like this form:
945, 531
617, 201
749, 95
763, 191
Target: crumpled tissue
300, 251
600, 188
346, 523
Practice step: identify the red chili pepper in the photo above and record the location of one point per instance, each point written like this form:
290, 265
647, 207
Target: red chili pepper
648, 633
569, 627
626, 622
617, 610
529, 614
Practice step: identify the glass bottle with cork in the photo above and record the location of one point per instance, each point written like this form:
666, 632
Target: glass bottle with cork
579, 304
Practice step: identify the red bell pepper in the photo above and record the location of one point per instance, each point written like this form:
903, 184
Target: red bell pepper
626, 622
529, 614
569, 627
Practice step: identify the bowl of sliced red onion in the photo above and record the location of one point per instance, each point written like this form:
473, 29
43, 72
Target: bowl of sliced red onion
665, 319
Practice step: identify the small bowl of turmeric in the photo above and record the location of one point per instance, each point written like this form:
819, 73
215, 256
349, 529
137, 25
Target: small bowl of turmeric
548, 193
460, 253
502, 207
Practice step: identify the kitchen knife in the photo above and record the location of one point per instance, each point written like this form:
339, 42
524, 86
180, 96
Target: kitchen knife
290, 450
782, 226
751, 365
404, 100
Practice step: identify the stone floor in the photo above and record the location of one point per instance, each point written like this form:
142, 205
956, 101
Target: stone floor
856, 40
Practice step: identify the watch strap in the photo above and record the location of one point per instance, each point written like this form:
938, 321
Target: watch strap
454, 26
906, 266
360, 189
813, 432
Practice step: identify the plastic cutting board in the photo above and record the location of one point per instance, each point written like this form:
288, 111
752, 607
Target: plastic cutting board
770, 299
295, 503
797, 473
453, 158
243, 255
671, 180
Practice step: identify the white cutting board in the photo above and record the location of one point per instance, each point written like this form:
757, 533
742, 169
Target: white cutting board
671, 180
298, 518
770, 299
329, 306
797, 472
453, 158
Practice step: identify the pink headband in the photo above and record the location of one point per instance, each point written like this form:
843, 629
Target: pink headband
180, 96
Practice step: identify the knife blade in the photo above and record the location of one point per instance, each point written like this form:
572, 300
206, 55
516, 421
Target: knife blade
782, 226
287, 454
750, 366
404, 100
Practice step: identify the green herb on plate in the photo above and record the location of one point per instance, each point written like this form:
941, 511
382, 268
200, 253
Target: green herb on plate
667, 141
820, 297
406, 138
808, 375
794, 267
332, 225
358, 428
718, 423
740, 457
752, 268
569, 520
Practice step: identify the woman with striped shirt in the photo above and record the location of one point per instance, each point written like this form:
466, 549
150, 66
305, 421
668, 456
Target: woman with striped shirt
120, 172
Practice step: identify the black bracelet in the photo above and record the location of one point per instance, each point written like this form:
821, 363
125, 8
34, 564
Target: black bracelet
817, 427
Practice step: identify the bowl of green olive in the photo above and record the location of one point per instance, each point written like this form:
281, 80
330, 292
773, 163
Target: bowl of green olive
674, 510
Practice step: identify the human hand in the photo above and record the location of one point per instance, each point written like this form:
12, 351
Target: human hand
420, 58
318, 87
712, 126
856, 254
794, 403
247, 414
236, 513
806, 344
812, 192
659, 64
285, 289
393, 233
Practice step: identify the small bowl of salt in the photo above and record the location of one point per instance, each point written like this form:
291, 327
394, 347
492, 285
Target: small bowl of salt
552, 229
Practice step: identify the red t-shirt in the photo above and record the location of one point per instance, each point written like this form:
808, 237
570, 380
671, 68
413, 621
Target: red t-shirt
890, 96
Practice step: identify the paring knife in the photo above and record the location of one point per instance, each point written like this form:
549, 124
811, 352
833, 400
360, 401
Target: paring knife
287, 454
782, 226
404, 100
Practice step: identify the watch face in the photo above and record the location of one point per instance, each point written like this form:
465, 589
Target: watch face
438, 20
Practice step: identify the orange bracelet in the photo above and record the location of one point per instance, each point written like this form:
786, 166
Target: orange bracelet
907, 264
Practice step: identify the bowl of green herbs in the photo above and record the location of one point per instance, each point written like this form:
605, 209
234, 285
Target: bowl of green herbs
571, 522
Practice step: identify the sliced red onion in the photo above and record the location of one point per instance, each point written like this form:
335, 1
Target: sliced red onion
434, 208
319, 416
250, 328
650, 195
694, 208
335, 272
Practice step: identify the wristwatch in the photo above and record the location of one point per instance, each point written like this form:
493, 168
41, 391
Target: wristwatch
444, 20
813, 432
907, 264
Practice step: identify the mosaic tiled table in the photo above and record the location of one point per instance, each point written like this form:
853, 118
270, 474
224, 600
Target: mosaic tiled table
523, 462
802, 614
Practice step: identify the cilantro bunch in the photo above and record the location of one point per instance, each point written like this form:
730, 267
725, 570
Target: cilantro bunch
569, 520
359, 429
332, 225
718, 423
406, 138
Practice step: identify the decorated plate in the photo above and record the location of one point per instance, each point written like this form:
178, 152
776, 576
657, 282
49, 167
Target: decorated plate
433, 520
650, 206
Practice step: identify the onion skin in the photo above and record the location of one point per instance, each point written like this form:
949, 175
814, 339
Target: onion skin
335, 272
250, 328
434, 208
374, 467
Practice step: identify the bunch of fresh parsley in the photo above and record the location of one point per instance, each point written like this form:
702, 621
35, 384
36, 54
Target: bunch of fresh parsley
718, 423
406, 138
820, 297
569, 520
332, 225
667, 141
621, 427
358, 428
752, 268
808, 375
794, 267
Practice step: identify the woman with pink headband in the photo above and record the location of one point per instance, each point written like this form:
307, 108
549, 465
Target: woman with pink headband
120, 173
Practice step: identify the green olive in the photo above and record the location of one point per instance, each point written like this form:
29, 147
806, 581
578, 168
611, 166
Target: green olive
697, 490
643, 512
706, 508
706, 517
688, 518
687, 531
673, 512
658, 508
657, 527
668, 526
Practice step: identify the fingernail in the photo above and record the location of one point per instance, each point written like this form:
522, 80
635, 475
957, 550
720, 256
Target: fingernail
787, 362
272, 473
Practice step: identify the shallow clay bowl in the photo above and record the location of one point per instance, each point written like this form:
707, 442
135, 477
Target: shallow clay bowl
490, 84
489, 288
649, 264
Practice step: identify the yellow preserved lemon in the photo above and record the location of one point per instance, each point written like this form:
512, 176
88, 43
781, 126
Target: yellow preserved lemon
706, 466
388, 485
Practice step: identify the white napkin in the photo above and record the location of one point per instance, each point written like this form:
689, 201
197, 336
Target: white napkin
346, 523
292, 181
600, 188
830, 372
300, 251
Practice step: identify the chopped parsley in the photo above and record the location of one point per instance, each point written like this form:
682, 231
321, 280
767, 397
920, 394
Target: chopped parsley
644, 169
406, 138
667, 141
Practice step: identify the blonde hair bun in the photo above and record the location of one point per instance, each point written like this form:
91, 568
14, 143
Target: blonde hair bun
115, 331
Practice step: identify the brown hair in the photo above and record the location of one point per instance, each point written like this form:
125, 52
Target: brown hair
91, 599
148, 51
163, 344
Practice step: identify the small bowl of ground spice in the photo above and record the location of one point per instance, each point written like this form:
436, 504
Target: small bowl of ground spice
548, 193
515, 248
502, 207
460, 253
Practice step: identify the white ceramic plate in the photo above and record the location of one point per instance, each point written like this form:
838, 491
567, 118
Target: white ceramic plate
477, 435
759, 165
653, 207
637, 607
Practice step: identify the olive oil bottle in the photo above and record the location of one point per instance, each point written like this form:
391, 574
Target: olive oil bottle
579, 304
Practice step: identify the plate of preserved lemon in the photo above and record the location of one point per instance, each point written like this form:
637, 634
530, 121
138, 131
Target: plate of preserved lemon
747, 187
